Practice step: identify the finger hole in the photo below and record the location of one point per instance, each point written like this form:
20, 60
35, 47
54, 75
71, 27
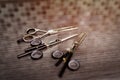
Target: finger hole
57, 54
35, 42
36, 54
31, 31
73, 65
28, 38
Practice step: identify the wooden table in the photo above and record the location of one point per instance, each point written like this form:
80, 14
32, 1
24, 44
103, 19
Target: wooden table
99, 54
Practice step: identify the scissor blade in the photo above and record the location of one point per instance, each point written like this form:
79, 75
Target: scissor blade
51, 32
79, 40
67, 38
62, 40
63, 28
81, 37
68, 29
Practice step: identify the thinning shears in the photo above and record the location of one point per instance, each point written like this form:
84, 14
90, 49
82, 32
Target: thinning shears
68, 55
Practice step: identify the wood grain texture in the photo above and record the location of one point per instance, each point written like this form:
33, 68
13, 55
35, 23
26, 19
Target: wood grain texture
99, 54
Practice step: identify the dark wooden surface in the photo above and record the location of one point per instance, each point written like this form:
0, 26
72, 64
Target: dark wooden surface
99, 54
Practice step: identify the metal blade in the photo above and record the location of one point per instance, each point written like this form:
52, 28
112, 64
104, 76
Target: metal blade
62, 40
67, 38
79, 40
58, 29
68, 29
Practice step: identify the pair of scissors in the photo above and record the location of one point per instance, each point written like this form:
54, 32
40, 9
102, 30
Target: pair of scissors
71, 64
32, 33
36, 51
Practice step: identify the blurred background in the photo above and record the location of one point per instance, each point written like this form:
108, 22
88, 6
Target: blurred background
99, 53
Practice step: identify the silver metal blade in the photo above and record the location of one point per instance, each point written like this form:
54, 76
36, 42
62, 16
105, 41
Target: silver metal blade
55, 31
68, 29
67, 38
61, 40
63, 28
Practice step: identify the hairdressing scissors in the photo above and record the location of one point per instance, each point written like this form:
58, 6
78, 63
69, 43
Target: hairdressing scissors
36, 51
71, 64
32, 33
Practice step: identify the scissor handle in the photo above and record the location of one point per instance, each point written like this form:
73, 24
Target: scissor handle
57, 54
34, 30
31, 31
28, 38
65, 64
35, 42
61, 59
74, 65
36, 54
